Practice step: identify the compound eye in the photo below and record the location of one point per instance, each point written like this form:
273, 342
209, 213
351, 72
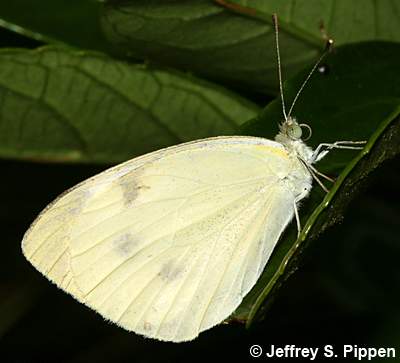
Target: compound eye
295, 132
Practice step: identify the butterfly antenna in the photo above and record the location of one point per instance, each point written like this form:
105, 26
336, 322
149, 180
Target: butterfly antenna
328, 46
275, 21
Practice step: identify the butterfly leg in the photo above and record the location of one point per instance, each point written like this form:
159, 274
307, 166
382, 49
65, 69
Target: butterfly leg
314, 173
315, 177
296, 211
319, 153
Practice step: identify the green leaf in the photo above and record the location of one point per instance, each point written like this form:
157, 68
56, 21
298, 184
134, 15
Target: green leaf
357, 99
205, 38
235, 44
72, 22
344, 21
58, 104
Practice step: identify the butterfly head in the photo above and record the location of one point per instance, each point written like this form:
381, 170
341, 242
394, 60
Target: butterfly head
291, 129
290, 136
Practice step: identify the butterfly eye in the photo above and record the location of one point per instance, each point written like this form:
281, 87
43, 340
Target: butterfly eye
294, 132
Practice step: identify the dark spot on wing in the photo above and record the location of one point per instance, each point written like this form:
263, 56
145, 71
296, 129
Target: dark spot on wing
125, 244
147, 326
169, 272
131, 186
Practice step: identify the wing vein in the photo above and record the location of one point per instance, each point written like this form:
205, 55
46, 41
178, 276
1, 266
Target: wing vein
56, 260
209, 258
246, 260
188, 249
221, 279
44, 241
122, 263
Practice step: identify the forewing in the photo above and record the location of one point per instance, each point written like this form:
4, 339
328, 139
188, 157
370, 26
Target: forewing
168, 244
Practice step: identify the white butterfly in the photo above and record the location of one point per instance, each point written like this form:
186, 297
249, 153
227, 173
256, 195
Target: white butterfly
168, 244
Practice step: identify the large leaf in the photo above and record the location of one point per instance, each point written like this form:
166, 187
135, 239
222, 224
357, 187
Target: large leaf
358, 98
235, 43
205, 38
344, 21
73, 22
57, 104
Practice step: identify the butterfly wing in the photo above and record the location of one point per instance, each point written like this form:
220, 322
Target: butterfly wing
168, 244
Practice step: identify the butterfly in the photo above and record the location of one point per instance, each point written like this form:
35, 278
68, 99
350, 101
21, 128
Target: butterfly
168, 244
